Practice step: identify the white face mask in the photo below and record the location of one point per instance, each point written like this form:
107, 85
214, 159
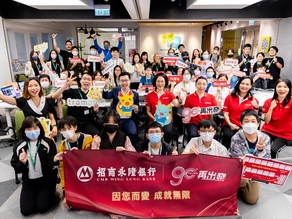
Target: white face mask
75, 53
206, 137
93, 52
53, 56
63, 76
215, 51
45, 84
68, 134
250, 128
197, 72
74, 87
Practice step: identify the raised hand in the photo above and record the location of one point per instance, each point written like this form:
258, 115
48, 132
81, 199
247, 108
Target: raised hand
273, 104
261, 144
58, 156
54, 35
23, 156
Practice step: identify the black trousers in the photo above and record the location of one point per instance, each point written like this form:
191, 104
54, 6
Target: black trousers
37, 196
277, 144
168, 132
88, 127
227, 135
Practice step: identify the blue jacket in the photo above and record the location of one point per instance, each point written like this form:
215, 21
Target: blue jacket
107, 53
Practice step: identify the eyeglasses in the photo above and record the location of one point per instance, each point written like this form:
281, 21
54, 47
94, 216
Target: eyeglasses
154, 132
122, 81
87, 79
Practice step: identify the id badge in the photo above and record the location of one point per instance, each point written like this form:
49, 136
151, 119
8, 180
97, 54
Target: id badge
34, 174
268, 70
86, 112
245, 69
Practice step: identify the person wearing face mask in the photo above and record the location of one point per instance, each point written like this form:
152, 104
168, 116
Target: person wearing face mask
211, 76
215, 57
172, 67
35, 66
207, 63
197, 72
73, 140
249, 140
93, 66
107, 49
54, 63
154, 143
77, 68
222, 67
33, 156
205, 144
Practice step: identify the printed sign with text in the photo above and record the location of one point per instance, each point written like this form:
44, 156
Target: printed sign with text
170, 59
77, 60
232, 72
93, 58
218, 83
175, 78
231, 62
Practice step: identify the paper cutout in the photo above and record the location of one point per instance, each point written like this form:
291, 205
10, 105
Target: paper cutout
46, 123
188, 113
128, 67
125, 105
42, 48
163, 113
94, 93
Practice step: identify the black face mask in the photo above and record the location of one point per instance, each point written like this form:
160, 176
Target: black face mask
230, 55
185, 58
110, 128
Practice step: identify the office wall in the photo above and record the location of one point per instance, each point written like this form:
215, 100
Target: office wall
151, 38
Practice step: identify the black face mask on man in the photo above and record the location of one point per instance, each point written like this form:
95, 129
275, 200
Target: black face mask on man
110, 128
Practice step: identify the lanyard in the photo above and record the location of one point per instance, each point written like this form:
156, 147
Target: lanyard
55, 66
80, 94
156, 66
245, 61
151, 151
38, 67
270, 63
69, 145
33, 161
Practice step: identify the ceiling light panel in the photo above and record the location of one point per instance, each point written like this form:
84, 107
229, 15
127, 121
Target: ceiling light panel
219, 4
58, 5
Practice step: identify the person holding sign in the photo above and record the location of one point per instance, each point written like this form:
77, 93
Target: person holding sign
159, 105
93, 65
259, 82
260, 60
126, 103
274, 65
278, 116
76, 64
114, 61
196, 56
244, 59
54, 63
198, 99
215, 57
157, 64
35, 66
82, 113
205, 63
65, 54
249, 140
205, 144
33, 156
232, 63
235, 103
107, 52
154, 143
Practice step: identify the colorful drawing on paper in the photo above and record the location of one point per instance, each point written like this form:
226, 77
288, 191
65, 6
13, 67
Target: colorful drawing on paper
170, 38
163, 113
265, 44
125, 105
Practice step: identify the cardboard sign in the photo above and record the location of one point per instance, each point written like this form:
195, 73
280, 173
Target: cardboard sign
125, 105
93, 58
264, 75
175, 78
150, 87
170, 59
266, 170
157, 72
94, 93
233, 72
128, 67
83, 102
60, 83
46, 125
99, 84
202, 63
188, 113
142, 186
181, 64
230, 61
218, 83
42, 48
119, 35
73, 60
108, 68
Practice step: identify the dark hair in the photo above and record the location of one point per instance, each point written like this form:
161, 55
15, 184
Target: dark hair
25, 93
186, 69
181, 45
236, 88
96, 73
171, 49
193, 57
207, 123
185, 53
28, 123
92, 47
202, 54
210, 67
106, 41
261, 66
288, 97
125, 74
147, 66
168, 69
201, 77
136, 54
223, 76
247, 45
87, 73
68, 41
33, 65
115, 49
115, 76
45, 76
275, 48
261, 53
68, 120
142, 54
216, 47
154, 124
249, 112
232, 50
160, 75
114, 114
75, 47
57, 57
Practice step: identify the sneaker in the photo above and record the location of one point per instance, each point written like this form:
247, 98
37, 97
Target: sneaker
180, 138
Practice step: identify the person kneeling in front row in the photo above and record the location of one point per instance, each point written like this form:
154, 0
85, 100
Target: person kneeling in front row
249, 140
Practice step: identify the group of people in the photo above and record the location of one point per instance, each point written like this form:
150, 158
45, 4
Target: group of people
36, 156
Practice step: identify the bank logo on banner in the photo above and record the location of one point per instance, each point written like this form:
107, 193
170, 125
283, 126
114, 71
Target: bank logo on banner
85, 173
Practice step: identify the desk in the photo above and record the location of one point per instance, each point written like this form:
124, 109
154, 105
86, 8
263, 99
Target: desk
7, 108
263, 95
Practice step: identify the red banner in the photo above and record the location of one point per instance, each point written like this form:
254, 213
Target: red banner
264, 75
175, 78
137, 185
218, 83
93, 58
231, 61
150, 87
266, 170
202, 63
77, 60
233, 72
170, 59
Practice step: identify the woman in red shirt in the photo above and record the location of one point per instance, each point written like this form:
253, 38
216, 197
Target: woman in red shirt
159, 105
278, 116
198, 99
235, 103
